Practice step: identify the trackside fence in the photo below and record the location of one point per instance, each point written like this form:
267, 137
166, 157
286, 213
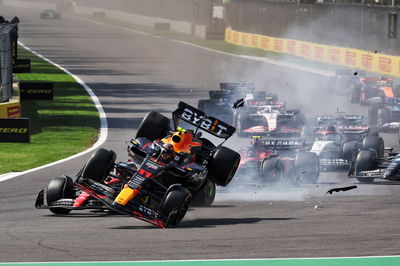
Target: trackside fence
8, 56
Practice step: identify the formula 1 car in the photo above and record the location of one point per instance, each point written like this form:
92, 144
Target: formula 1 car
384, 113
167, 170
344, 81
372, 87
275, 160
260, 117
220, 102
337, 151
350, 127
50, 14
369, 166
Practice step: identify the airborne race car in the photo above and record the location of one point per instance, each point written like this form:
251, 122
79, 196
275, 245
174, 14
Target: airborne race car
274, 160
258, 117
167, 170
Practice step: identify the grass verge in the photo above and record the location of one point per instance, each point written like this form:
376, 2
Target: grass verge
60, 128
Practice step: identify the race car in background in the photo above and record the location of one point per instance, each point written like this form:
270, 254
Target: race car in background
384, 113
50, 14
220, 102
272, 160
167, 170
372, 87
268, 117
337, 150
344, 81
369, 165
351, 127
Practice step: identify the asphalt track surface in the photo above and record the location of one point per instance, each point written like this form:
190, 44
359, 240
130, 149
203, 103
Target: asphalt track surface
133, 74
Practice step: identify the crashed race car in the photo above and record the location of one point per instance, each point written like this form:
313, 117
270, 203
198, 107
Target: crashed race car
268, 117
273, 160
337, 150
220, 102
369, 165
50, 14
168, 169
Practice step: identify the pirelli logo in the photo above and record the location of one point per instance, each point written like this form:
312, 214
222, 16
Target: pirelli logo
36, 90
14, 130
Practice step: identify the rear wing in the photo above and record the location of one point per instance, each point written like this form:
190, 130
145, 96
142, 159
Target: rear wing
238, 86
200, 120
266, 102
279, 143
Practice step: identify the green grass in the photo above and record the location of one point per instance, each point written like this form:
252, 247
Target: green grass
60, 128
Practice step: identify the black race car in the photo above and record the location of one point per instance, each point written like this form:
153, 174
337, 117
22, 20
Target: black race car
167, 170
220, 102
345, 80
369, 166
274, 160
50, 14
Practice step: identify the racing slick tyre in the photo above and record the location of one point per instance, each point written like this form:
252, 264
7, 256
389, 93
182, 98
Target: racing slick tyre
349, 150
99, 165
307, 167
375, 143
365, 162
204, 197
153, 126
223, 165
384, 116
59, 188
175, 205
271, 170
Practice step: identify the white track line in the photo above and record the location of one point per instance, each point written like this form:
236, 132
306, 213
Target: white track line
103, 119
103, 122
317, 71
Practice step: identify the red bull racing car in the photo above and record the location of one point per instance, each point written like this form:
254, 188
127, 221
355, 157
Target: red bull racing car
168, 169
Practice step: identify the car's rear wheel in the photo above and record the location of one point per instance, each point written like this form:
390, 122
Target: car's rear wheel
375, 143
307, 167
153, 126
59, 188
99, 165
365, 162
349, 150
175, 205
271, 171
223, 165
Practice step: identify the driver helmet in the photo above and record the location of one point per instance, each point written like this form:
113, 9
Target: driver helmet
181, 140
